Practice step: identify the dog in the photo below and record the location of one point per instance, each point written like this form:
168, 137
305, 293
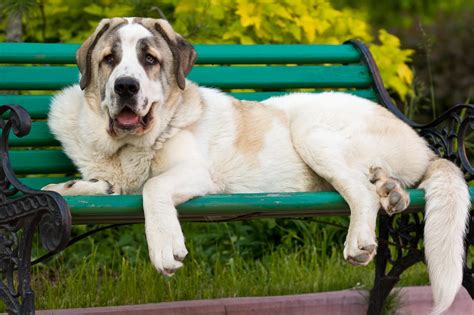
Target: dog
136, 125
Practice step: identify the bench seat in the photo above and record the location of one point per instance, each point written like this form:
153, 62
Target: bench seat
128, 208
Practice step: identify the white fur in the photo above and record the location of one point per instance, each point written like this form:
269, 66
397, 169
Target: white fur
447, 210
129, 66
316, 142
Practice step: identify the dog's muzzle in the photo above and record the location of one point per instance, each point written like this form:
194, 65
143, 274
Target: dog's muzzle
128, 119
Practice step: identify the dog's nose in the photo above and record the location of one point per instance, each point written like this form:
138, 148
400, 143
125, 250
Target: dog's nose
126, 86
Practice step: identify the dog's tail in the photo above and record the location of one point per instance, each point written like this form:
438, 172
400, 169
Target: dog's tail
446, 215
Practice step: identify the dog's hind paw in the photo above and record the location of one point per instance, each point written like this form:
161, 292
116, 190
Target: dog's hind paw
393, 197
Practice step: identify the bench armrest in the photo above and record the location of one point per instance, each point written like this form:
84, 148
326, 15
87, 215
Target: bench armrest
19, 202
22, 211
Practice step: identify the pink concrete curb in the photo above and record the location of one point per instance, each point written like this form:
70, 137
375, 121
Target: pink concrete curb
414, 301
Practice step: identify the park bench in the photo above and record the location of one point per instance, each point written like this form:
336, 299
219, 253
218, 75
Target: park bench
32, 158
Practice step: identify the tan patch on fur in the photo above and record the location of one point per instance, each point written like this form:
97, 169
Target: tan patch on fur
253, 121
183, 53
165, 25
280, 115
154, 73
440, 165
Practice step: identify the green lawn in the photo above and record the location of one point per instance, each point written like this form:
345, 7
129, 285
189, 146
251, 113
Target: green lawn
252, 258
278, 273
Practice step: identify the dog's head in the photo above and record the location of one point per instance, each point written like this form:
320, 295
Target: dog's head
130, 65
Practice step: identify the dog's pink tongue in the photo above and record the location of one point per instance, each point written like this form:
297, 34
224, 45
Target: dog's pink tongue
128, 117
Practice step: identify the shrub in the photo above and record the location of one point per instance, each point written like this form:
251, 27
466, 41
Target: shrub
292, 21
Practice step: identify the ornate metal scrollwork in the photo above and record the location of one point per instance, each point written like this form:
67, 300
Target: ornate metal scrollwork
22, 211
446, 135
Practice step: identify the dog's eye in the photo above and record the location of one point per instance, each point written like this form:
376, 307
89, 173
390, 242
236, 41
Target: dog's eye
150, 60
109, 59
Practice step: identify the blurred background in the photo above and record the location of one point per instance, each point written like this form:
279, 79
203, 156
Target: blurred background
424, 49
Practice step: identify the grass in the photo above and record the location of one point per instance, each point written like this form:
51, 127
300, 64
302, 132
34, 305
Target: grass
253, 258
221, 263
278, 273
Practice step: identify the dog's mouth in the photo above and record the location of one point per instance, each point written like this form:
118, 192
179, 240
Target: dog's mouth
128, 120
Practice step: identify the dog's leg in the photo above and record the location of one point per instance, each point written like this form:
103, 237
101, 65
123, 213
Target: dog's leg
84, 187
393, 197
323, 152
160, 196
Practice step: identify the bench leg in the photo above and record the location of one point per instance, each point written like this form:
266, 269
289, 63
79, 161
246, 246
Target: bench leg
20, 218
23, 211
405, 231
468, 279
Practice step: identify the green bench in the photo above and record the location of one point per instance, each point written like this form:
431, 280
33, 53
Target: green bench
31, 72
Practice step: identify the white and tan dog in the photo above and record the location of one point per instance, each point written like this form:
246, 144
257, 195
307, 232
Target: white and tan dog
136, 125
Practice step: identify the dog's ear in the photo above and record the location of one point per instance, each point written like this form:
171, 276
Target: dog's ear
84, 53
183, 52
186, 58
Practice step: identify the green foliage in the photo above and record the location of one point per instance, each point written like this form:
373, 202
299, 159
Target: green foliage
17, 6
404, 13
290, 21
392, 63
72, 21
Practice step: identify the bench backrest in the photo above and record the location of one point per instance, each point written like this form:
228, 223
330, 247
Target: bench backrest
30, 73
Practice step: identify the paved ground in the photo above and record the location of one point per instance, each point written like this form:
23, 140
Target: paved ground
415, 301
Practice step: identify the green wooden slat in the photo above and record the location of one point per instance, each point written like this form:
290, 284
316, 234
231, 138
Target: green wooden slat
276, 54
354, 76
50, 53
260, 96
38, 136
37, 78
112, 209
207, 54
368, 94
40, 182
41, 162
126, 208
36, 105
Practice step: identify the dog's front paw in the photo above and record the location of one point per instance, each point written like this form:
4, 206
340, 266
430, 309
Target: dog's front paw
360, 246
83, 187
166, 249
